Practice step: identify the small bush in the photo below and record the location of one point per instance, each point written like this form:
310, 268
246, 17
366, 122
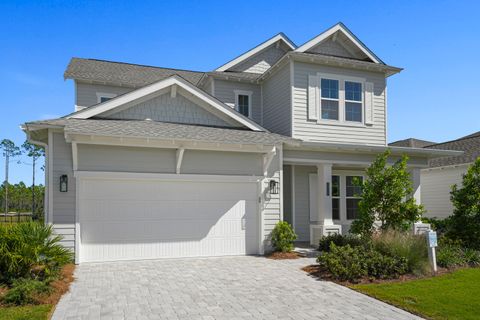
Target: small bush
283, 237
412, 248
348, 263
449, 256
30, 250
340, 241
25, 291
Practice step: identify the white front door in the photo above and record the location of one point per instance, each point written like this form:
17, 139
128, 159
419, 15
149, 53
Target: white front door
127, 219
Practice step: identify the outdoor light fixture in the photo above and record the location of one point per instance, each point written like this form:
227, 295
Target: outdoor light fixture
63, 183
273, 187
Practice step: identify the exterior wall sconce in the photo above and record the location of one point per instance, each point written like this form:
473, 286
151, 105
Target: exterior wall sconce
273, 187
63, 183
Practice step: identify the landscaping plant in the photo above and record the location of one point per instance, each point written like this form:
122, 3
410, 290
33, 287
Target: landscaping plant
25, 291
340, 241
386, 197
30, 250
283, 237
465, 224
412, 248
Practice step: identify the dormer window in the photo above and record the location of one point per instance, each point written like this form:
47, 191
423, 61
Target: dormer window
243, 102
102, 96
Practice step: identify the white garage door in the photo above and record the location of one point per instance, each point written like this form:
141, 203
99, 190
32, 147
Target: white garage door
127, 219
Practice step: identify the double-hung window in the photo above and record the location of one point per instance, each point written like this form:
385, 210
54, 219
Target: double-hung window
353, 195
353, 101
329, 99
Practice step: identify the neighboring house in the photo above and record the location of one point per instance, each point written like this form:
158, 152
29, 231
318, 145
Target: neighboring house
443, 173
158, 162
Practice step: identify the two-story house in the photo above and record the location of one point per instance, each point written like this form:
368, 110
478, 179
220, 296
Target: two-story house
156, 162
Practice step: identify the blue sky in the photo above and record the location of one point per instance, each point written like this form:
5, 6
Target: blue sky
437, 42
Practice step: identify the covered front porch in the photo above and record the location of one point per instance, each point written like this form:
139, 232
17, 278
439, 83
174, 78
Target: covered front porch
319, 190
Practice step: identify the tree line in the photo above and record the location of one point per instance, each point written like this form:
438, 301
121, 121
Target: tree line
19, 197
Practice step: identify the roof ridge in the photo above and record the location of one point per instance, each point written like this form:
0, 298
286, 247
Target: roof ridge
137, 64
455, 140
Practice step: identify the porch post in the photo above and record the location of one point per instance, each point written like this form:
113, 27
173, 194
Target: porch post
415, 176
322, 223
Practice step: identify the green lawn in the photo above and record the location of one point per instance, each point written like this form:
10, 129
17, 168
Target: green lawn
39, 312
450, 296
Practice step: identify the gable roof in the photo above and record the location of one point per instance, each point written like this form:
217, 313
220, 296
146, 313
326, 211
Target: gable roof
127, 74
339, 27
279, 37
470, 145
411, 143
160, 130
172, 81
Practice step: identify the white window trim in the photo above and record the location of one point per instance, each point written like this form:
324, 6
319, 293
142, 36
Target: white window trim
343, 193
341, 100
244, 93
101, 95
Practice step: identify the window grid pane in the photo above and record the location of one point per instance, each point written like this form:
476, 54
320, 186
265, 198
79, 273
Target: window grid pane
352, 209
330, 109
353, 111
335, 186
353, 91
336, 209
354, 190
329, 88
243, 104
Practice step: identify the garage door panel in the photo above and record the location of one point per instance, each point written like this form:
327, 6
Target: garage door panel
124, 220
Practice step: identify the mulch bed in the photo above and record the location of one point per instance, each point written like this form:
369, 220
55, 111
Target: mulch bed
316, 271
284, 255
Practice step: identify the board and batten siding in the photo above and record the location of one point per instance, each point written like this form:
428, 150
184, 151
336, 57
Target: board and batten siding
63, 202
86, 93
225, 92
309, 130
276, 92
436, 184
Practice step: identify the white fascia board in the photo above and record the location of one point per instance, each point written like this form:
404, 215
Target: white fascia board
338, 27
339, 147
162, 84
257, 49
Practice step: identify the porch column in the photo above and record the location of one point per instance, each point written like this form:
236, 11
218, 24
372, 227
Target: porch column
324, 196
415, 174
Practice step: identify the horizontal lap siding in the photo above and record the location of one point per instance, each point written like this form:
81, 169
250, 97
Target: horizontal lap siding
312, 131
302, 201
435, 189
225, 92
277, 113
87, 92
63, 202
272, 203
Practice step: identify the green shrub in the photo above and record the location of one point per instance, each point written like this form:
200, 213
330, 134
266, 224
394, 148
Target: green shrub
404, 245
30, 250
25, 291
441, 226
340, 241
472, 257
348, 263
449, 256
283, 237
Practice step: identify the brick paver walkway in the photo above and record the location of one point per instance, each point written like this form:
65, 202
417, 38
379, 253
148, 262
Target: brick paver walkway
213, 288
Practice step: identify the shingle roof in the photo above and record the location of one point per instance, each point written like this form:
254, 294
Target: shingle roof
469, 144
411, 143
127, 74
163, 130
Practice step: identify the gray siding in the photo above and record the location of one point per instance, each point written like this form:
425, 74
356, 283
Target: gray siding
216, 162
262, 61
271, 205
435, 189
313, 131
225, 92
168, 109
86, 95
302, 201
63, 202
333, 48
276, 90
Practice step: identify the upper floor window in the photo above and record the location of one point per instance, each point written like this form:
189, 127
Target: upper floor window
103, 96
353, 101
243, 102
330, 101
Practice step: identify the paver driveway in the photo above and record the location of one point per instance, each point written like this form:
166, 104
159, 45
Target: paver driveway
213, 288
